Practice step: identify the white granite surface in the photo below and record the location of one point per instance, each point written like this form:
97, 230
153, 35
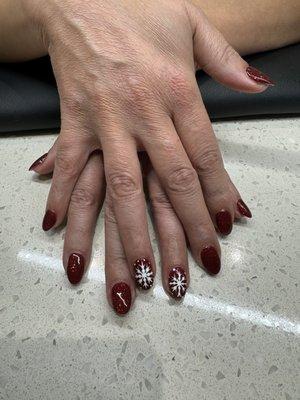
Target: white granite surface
234, 337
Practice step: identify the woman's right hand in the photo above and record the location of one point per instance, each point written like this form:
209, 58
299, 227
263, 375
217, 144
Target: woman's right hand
126, 77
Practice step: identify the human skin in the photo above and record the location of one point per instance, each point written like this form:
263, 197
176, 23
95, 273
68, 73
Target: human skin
249, 27
196, 221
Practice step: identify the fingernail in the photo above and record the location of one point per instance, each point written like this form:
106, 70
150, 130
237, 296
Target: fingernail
211, 260
38, 162
49, 220
243, 209
75, 268
259, 77
144, 276
177, 282
121, 298
224, 222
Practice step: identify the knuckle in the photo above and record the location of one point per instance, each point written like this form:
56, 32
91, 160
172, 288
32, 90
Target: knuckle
135, 89
182, 180
123, 185
224, 54
180, 85
160, 201
73, 104
83, 198
208, 161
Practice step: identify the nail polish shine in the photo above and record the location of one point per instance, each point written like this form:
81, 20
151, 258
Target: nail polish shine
121, 298
177, 282
243, 209
38, 162
143, 273
49, 220
211, 260
259, 77
75, 268
224, 222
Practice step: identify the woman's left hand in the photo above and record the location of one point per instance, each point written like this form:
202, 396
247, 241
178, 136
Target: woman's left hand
122, 279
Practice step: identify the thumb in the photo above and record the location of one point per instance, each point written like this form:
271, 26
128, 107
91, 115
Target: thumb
219, 60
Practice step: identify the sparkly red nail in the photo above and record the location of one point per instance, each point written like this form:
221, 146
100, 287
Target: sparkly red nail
177, 282
38, 162
143, 273
75, 268
49, 220
224, 222
211, 260
258, 76
243, 209
121, 297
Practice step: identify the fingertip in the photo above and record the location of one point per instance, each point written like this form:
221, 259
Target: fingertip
37, 163
44, 165
259, 77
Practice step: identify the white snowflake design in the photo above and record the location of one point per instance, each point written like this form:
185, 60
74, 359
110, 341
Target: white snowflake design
177, 282
143, 273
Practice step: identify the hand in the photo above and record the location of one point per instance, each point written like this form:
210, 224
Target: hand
125, 73
121, 278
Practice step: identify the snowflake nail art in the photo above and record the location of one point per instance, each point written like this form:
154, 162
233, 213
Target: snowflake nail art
177, 282
144, 276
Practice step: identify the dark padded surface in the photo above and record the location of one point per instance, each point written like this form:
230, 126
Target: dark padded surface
29, 98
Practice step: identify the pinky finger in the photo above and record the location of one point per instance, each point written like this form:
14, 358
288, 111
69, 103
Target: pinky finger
45, 164
241, 209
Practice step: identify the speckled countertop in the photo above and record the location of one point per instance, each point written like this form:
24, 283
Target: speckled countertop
234, 337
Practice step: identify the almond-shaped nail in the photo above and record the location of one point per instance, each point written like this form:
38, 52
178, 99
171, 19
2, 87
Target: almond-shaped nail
143, 273
75, 268
243, 209
121, 298
49, 220
38, 162
259, 77
177, 282
211, 260
224, 222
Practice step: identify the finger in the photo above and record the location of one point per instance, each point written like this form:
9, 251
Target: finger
85, 205
120, 287
71, 157
125, 187
45, 164
171, 239
195, 130
216, 57
241, 208
182, 186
